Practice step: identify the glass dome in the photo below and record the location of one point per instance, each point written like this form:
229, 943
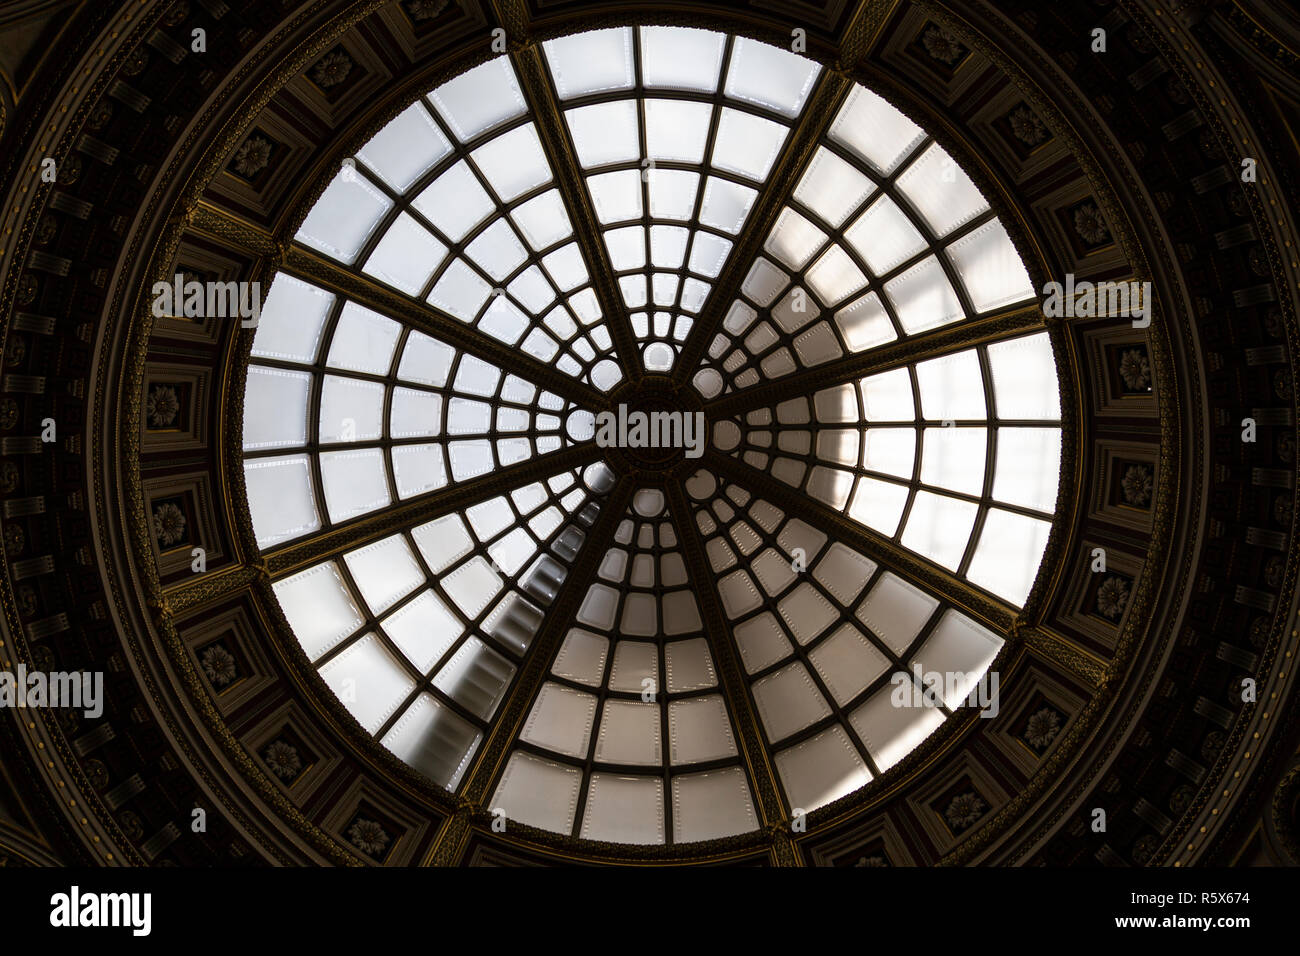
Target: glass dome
420, 608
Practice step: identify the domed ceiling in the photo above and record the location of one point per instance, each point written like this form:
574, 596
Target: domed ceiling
653, 442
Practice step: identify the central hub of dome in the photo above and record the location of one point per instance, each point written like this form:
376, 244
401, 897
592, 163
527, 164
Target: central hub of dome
653, 425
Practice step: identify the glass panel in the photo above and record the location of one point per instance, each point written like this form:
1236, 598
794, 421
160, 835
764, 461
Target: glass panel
350, 410
513, 162
875, 130
460, 291
832, 188
770, 77
363, 341
1029, 464
319, 608
455, 202
835, 277
794, 239
990, 268
617, 196
434, 740
591, 62
747, 144
1008, 554
497, 250
1024, 378
406, 148
865, 324
605, 133
344, 217
354, 482
677, 130
291, 321
884, 236
280, 499
275, 408
406, 256
923, 297
479, 99
384, 572
889, 451
821, 769
952, 387
938, 528
543, 220
953, 458
681, 58
672, 196
369, 681
941, 191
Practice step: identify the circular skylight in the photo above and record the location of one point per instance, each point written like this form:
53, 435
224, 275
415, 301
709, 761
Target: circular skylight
423, 443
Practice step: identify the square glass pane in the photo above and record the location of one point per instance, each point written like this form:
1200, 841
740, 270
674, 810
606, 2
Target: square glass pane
1024, 378
605, 133
513, 162
835, 277
726, 204
1008, 554
617, 196
832, 188
543, 220
406, 148
747, 144
591, 62
280, 499
938, 528
344, 217
275, 408
769, 77
406, 256
672, 193
363, 341
864, 323
460, 291
794, 239
480, 99
990, 268
319, 606
350, 410
291, 321
953, 458
681, 58
1028, 468
884, 236
497, 250
676, 129
941, 191
887, 397
923, 297
875, 130
354, 482
455, 202
952, 387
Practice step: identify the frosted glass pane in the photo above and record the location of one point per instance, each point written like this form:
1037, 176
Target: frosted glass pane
582, 657
425, 360
591, 62
788, 701
384, 572
434, 740
291, 321
887, 397
938, 528
443, 542
405, 149
1024, 378
363, 341
990, 268
560, 720
699, 729
878, 504
455, 202
543, 220
884, 236
513, 162
875, 130
895, 611
476, 377
747, 144
847, 662
726, 204
672, 195
629, 734
1029, 466
890, 732
617, 196
958, 645
504, 321
497, 250
769, 77
479, 99
350, 410
1008, 553
344, 217
275, 408
280, 499
711, 805
424, 629
794, 239
953, 458
890, 451
708, 253
460, 291
821, 769
406, 256
681, 58
941, 191
418, 468
832, 188
668, 246
369, 681
566, 269
865, 324
923, 297
318, 607
626, 247
354, 482
541, 793
952, 387
677, 129
605, 133
623, 809
475, 677
532, 290
834, 276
